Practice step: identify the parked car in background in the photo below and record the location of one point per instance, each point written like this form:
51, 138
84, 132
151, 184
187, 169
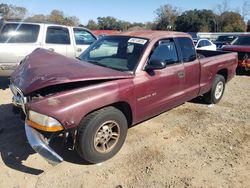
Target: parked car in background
195, 37
119, 81
224, 40
19, 39
205, 44
241, 45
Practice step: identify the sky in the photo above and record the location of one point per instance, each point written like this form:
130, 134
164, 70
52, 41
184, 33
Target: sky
127, 10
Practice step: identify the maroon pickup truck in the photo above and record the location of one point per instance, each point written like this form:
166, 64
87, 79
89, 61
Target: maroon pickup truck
119, 81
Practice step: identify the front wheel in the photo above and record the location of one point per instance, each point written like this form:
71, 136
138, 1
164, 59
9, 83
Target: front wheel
217, 90
101, 134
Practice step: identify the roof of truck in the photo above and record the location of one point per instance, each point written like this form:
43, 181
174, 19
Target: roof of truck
152, 34
41, 23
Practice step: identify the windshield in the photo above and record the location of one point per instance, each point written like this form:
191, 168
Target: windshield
242, 40
116, 52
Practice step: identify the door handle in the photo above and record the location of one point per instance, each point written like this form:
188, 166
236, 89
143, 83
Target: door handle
78, 49
51, 49
181, 74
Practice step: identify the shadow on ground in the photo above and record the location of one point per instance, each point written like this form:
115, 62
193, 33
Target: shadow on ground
198, 100
14, 147
13, 143
242, 72
4, 82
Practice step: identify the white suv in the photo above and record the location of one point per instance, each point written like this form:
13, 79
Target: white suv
19, 39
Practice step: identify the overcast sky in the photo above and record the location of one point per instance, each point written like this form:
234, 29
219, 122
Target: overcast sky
128, 10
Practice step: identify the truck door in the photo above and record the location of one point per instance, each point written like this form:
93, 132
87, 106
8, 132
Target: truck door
159, 90
57, 39
191, 67
83, 38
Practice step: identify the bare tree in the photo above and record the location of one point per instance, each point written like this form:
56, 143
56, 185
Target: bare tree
245, 11
223, 7
166, 17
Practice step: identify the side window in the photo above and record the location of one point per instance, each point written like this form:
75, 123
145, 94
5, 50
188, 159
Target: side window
202, 43
16, 33
208, 43
165, 51
187, 49
57, 35
83, 37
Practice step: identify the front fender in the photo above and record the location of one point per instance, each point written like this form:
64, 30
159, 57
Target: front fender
69, 107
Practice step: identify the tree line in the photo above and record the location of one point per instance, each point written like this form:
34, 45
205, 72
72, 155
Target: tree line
167, 18
15, 13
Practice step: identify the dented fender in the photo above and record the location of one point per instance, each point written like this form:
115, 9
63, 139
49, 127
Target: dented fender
69, 107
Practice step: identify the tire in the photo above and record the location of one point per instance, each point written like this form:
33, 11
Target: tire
101, 134
217, 90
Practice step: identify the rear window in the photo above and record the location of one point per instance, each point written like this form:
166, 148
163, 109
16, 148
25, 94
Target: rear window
242, 40
187, 49
19, 33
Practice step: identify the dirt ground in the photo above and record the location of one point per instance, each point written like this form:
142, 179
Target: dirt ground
193, 145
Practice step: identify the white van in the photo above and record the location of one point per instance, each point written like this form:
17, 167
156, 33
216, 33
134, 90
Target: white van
19, 39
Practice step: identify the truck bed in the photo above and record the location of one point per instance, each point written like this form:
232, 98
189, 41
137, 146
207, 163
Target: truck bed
213, 61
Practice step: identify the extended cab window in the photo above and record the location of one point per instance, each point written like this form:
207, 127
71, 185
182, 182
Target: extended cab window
19, 33
57, 35
83, 37
165, 51
187, 49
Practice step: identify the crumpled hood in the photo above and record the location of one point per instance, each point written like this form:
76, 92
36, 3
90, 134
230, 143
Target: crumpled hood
43, 68
236, 48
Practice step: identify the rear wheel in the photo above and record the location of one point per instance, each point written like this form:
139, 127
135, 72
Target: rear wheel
217, 90
101, 134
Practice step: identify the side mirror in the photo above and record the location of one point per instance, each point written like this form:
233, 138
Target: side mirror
155, 64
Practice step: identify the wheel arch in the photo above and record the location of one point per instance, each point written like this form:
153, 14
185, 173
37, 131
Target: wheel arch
123, 106
224, 73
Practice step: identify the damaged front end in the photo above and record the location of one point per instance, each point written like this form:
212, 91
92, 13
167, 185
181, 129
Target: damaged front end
41, 146
34, 122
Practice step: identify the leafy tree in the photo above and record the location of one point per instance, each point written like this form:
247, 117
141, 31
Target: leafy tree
11, 12
108, 22
232, 22
92, 25
166, 17
196, 21
71, 21
38, 18
56, 16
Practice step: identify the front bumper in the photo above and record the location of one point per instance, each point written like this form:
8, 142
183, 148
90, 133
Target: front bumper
39, 144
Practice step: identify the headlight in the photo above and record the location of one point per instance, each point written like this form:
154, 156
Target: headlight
43, 122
